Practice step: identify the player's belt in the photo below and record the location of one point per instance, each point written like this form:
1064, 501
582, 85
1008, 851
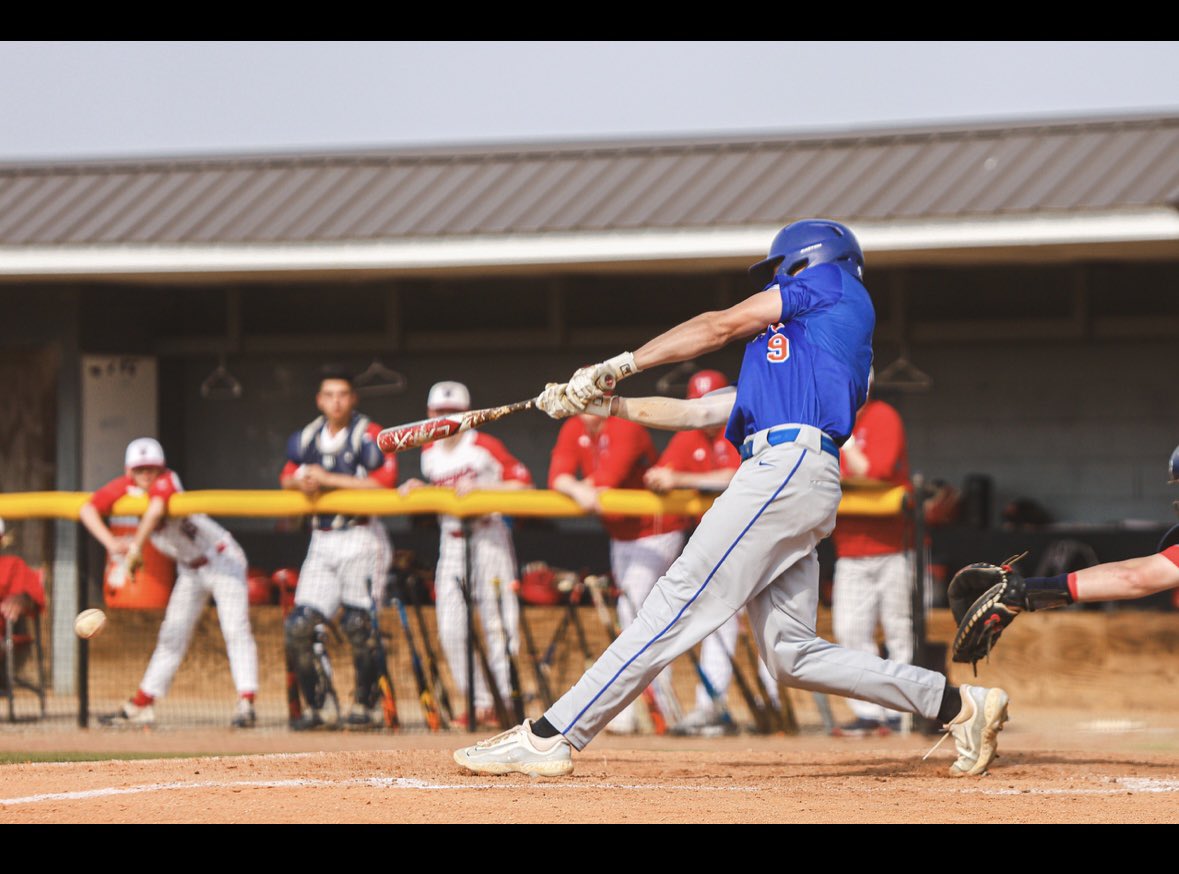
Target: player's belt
198, 563
785, 435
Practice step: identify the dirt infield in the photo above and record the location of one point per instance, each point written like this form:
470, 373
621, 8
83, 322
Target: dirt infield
1093, 737
1054, 770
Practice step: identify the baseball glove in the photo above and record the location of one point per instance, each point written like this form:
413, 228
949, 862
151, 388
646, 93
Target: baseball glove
984, 599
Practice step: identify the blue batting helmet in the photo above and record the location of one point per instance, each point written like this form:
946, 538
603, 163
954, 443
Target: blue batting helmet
1174, 466
807, 243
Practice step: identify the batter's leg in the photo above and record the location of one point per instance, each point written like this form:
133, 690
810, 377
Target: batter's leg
771, 516
782, 617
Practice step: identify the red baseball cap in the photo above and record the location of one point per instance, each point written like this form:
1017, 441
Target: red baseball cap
705, 381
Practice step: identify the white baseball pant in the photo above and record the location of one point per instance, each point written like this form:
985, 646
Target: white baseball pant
224, 577
637, 565
341, 565
754, 548
492, 558
868, 590
717, 665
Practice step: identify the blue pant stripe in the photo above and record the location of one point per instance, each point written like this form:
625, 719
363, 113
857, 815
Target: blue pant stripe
691, 600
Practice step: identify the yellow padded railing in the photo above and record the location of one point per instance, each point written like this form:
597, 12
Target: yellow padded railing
859, 501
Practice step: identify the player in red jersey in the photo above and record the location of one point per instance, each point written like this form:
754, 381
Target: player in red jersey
593, 454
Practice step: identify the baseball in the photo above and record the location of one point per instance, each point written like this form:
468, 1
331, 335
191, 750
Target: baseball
89, 623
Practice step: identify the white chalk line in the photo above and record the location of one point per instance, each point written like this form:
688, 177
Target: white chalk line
1120, 786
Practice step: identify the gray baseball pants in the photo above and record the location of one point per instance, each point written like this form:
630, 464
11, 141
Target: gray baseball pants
754, 548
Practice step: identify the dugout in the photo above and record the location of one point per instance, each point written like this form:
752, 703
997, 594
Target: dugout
1028, 269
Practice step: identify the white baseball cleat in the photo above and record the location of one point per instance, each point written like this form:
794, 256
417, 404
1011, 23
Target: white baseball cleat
519, 751
244, 716
975, 729
130, 714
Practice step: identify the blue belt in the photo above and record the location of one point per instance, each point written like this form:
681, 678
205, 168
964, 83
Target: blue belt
787, 435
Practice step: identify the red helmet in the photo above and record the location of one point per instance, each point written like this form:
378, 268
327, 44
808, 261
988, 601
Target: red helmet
704, 381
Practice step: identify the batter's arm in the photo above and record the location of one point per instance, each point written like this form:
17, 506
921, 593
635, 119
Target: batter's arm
669, 414
710, 331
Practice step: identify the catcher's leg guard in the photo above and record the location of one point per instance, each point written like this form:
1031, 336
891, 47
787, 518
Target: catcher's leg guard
299, 638
368, 655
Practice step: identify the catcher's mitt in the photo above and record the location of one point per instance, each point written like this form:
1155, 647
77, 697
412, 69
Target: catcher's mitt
984, 599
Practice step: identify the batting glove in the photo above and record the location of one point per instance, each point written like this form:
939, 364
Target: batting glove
554, 402
593, 381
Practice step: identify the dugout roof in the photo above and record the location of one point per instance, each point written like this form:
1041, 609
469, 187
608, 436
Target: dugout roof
993, 191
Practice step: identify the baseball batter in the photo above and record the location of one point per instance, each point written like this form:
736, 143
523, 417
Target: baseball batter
874, 565
349, 556
593, 453
208, 562
466, 462
703, 459
803, 377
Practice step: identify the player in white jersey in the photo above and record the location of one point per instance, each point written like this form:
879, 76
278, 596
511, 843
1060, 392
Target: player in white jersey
466, 462
208, 562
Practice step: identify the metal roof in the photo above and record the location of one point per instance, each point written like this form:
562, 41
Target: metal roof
901, 175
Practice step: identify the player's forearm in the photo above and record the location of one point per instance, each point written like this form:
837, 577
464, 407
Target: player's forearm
855, 461
711, 331
345, 481
673, 414
1125, 580
712, 480
90, 517
156, 509
507, 485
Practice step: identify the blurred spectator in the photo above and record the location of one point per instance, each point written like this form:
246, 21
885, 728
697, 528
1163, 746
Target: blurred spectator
874, 564
21, 592
466, 462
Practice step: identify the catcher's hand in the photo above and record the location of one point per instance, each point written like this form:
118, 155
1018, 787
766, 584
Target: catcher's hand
984, 599
597, 379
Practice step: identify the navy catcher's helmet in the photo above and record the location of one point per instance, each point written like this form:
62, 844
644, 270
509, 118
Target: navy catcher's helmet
807, 243
1174, 466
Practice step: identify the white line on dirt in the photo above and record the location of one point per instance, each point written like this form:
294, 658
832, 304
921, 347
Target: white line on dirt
1121, 786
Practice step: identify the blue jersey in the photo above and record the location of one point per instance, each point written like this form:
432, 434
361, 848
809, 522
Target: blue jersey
811, 368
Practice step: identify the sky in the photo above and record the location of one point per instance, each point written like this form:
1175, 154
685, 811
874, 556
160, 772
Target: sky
73, 100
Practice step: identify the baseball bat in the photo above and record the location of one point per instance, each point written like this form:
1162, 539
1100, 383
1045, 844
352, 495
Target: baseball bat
613, 629
767, 719
718, 700
759, 709
542, 683
384, 681
475, 642
429, 706
517, 694
441, 695
414, 434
